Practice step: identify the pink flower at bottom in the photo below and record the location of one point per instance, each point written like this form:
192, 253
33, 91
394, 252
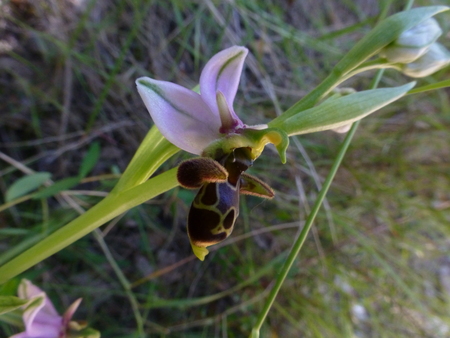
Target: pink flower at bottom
40, 317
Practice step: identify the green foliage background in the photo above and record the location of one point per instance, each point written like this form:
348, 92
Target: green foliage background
376, 263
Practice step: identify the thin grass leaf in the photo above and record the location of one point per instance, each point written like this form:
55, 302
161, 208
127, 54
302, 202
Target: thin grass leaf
33, 236
59, 186
25, 185
13, 232
187, 302
433, 86
89, 160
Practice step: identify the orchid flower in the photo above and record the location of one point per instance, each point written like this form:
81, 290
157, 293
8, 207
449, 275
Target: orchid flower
195, 122
40, 317
206, 124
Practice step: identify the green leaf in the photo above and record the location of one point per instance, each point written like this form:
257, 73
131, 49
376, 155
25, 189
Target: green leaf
108, 208
379, 37
433, 86
10, 287
383, 34
59, 186
347, 109
13, 232
90, 160
25, 185
154, 150
10, 303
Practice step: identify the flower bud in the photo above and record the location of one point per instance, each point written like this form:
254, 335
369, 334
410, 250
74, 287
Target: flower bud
413, 43
436, 58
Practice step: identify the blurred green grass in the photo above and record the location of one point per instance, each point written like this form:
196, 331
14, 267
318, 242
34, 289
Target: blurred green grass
376, 263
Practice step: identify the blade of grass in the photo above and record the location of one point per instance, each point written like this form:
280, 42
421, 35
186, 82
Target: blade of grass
309, 222
123, 280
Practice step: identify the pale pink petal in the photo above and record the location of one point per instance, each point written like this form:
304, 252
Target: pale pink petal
39, 322
222, 73
40, 317
21, 335
32, 309
180, 114
46, 331
28, 290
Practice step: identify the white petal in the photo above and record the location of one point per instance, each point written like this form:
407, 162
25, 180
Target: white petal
222, 73
435, 59
180, 114
422, 35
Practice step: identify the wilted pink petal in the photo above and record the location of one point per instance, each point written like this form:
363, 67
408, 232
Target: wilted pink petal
180, 114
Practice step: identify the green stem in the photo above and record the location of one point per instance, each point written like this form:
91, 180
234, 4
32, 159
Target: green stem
319, 92
302, 236
309, 222
111, 206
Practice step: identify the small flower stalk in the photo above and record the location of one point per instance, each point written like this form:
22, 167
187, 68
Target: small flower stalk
206, 124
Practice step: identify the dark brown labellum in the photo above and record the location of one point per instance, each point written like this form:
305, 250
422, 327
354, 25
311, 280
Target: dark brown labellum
216, 206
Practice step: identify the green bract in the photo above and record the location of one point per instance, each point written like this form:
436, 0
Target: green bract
337, 112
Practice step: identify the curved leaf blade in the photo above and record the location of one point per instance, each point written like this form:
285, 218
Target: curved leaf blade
89, 160
26, 185
336, 112
57, 187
